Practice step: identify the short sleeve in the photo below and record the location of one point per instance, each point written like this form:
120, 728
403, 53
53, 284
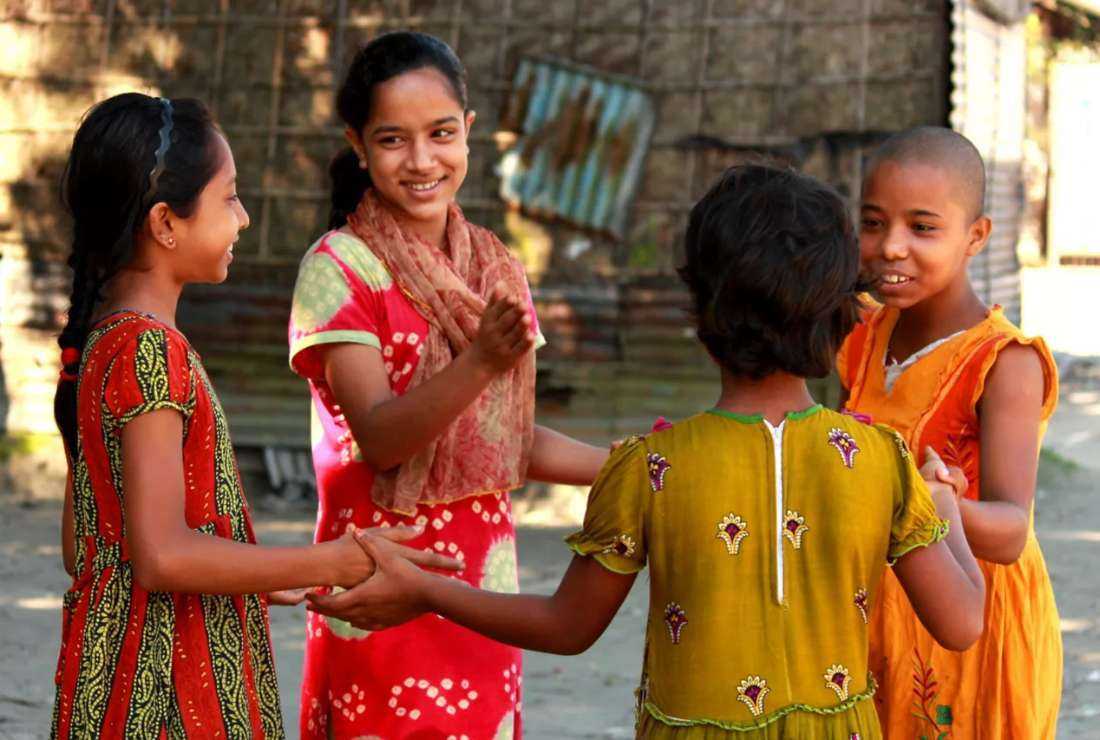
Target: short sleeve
1046, 361
151, 371
916, 523
615, 521
338, 298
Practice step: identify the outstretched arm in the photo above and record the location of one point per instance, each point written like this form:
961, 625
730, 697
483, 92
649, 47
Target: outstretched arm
1010, 409
167, 555
557, 458
943, 581
567, 623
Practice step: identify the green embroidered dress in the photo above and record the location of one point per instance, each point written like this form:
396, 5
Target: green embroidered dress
765, 546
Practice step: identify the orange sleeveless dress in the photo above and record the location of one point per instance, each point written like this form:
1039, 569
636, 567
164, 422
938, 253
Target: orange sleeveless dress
1008, 685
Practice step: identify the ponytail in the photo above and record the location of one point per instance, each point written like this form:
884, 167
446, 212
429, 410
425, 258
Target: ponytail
349, 182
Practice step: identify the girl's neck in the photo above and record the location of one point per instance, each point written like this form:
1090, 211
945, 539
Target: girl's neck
772, 397
953, 310
146, 291
433, 231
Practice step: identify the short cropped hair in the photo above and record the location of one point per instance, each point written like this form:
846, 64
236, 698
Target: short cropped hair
772, 263
942, 148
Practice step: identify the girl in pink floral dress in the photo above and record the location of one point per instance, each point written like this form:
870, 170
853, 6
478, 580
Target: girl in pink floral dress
416, 332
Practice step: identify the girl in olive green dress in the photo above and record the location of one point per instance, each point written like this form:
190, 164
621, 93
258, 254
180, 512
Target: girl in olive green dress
766, 521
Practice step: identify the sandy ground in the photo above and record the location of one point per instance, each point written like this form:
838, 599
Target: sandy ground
588, 696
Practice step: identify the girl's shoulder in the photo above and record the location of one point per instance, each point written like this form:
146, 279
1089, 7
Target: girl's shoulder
342, 248
860, 341
996, 334
129, 331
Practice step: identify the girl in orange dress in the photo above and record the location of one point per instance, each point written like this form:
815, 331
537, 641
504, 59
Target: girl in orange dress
950, 373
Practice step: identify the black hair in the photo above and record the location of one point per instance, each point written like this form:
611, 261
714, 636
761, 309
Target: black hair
772, 263
937, 146
130, 152
383, 58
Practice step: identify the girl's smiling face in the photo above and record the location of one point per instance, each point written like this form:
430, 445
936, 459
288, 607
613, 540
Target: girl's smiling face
414, 146
916, 236
207, 236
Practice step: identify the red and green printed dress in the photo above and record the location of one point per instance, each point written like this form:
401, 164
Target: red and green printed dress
429, 678
136, 663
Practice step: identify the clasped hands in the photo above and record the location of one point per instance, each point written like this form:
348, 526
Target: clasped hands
390, 595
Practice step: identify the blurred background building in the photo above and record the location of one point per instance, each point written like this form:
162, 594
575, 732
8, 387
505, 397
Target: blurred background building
599, 123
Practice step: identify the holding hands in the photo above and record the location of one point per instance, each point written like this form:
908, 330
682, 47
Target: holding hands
946, 484
395, 592
354, 559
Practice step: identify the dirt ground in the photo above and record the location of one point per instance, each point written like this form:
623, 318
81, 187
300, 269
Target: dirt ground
588, 696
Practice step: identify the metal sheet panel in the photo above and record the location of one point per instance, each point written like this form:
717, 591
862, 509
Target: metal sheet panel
581, 141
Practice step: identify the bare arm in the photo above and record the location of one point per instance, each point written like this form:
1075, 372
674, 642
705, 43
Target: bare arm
557, 458
566, 623
389, 430
943, 581
997, 524
167, 555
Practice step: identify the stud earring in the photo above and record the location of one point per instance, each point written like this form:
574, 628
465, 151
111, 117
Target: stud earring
171, 241
362, 164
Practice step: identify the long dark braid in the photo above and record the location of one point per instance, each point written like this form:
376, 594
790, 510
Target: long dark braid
131, 152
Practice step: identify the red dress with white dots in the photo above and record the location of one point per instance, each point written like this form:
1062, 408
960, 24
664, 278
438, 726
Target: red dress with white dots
429, 678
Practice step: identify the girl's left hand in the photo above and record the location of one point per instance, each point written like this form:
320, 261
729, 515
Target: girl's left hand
288, 597
391, 596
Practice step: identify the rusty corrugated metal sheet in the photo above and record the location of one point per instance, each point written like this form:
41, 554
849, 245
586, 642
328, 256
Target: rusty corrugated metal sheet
582, 139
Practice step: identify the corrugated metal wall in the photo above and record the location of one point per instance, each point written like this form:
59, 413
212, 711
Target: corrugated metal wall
989, 58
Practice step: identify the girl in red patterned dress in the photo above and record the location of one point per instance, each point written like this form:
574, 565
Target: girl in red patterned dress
416, 332
165, 631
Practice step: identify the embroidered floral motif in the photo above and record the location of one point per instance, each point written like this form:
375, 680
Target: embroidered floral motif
623, 546
845, 445
794, 526
731, 530
658, 466
675, 619
861, 603
924, 688
837, 679
752, 692
902, 447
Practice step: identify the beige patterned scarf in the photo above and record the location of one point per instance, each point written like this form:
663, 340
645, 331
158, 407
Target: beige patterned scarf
488, 447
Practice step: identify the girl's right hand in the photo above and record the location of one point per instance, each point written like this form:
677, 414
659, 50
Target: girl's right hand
504, 335
936, 470
353, 565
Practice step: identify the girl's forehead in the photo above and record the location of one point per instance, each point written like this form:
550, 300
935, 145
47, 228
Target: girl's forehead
418, 94
911, 185
227, 166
